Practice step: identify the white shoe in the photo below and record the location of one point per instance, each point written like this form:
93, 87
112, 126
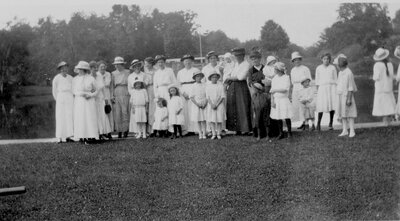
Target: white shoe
213, 137
138, 136
343, 134
219, 137
352, 134
144, 136
200, 136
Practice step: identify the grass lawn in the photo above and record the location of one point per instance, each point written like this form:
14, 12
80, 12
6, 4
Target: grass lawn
313, 176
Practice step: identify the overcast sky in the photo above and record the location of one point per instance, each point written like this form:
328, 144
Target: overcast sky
303, 20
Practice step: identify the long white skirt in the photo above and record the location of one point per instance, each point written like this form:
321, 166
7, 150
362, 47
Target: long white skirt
103, 121
384, 104
216, 116
64, 115
283, 108
344, 111
326, 98
85, 118
298, 114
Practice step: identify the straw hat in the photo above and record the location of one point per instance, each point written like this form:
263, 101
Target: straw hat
397, 52
119, 60
270, 59
150, 60
176, 86
62, 64
136, 62
197, 73
160, 57
83, 65
296, 55
214, 73
139, 80
210, 54
305, 79
381, 54
258, 86
336, 60
187, 56
280, 66
238, 51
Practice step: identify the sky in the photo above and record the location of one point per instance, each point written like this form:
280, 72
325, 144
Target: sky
303, 20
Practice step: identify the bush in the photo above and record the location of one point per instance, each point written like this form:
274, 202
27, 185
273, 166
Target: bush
362, 66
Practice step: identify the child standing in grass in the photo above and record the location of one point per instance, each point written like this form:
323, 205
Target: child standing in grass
281, 108
260, 109
216, 114
161, 118
139, 102
175, 113
346, 105
198, 98
307, 102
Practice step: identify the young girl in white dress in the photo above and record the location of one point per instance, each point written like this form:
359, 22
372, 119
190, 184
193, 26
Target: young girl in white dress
346, 109
139, 105
325, 79
160, 125
281, 108
175, 111
199, 104
216, 97
384, 101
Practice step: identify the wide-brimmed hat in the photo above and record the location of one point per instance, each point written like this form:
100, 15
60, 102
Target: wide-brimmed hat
255, 54
397, 52
270, 59
187, 56
295, 55
136, 62
210, 54
176, 86
238, 51
139, 80
381, 54
160, 57
212, 74
280, 66
259, 86
83, 65
197, 73
62, 64
336, 60
305, 79
119, 60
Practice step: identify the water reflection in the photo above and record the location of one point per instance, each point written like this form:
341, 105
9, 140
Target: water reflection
27, 121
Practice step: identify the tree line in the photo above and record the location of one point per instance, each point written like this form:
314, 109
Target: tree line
28, 54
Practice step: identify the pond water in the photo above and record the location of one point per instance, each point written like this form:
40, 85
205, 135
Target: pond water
34, 116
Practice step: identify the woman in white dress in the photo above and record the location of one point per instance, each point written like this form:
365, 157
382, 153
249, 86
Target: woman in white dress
163, 77
186, 81
149, 71
326, 79
397, 54
103, 123
297, 74
228, 65
85, 111
62, 93
107, 93
281, 108
384, 101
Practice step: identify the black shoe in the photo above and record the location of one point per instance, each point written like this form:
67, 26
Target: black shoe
69, 140
313, 128
330, 127
109, 136
319, 127
125, 134
120, 135
306, 127
302, 127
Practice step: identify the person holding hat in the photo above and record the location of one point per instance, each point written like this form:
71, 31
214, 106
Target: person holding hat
212, 66
107, 93
297, 74
307, 99
62, 93
103, 123
261, 110
149, 71
215, 112
198, 104
238, 95
120, 97
186, 80
175, 111
326, 79
139, 105
85, 111
384, 101
346, 109
163, 77
281, 107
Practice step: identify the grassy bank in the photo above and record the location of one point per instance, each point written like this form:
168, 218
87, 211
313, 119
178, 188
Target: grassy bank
314, 176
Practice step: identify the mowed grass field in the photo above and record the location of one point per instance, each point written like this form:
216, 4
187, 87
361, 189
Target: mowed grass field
313, 176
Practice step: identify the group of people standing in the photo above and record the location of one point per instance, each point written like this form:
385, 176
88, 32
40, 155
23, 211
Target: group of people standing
233, 95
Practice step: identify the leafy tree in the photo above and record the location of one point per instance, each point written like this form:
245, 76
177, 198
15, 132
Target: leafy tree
217, 41
396, 22
273, 37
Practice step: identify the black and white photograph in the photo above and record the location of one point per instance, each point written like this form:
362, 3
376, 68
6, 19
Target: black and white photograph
199, 110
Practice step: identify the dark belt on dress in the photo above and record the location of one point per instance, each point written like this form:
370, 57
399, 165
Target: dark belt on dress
189, 82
